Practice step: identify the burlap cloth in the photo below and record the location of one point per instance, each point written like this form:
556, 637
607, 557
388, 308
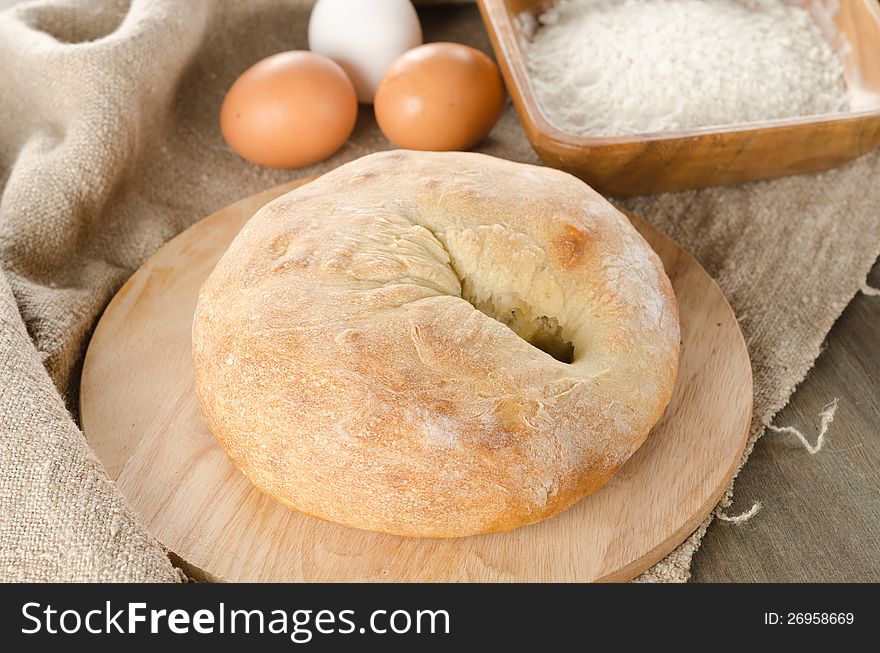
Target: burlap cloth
109, 146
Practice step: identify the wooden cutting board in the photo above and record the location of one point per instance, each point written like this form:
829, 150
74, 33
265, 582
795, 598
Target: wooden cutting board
140, 414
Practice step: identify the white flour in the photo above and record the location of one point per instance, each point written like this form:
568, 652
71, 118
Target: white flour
610, 67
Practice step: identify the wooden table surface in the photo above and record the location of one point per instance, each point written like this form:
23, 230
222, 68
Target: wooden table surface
820, 520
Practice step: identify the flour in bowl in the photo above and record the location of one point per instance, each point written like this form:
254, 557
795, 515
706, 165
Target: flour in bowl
606, 67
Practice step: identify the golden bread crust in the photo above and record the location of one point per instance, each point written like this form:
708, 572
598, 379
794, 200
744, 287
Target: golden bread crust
346, 359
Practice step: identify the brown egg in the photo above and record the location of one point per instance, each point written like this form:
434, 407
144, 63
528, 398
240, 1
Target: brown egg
439, 96
289, 110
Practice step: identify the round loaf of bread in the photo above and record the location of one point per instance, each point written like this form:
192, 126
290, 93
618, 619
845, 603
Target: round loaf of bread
435, 344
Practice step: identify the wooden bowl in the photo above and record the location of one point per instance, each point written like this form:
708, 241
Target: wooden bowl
695, 158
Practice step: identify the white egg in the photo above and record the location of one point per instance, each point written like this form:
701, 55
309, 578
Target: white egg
364, 37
